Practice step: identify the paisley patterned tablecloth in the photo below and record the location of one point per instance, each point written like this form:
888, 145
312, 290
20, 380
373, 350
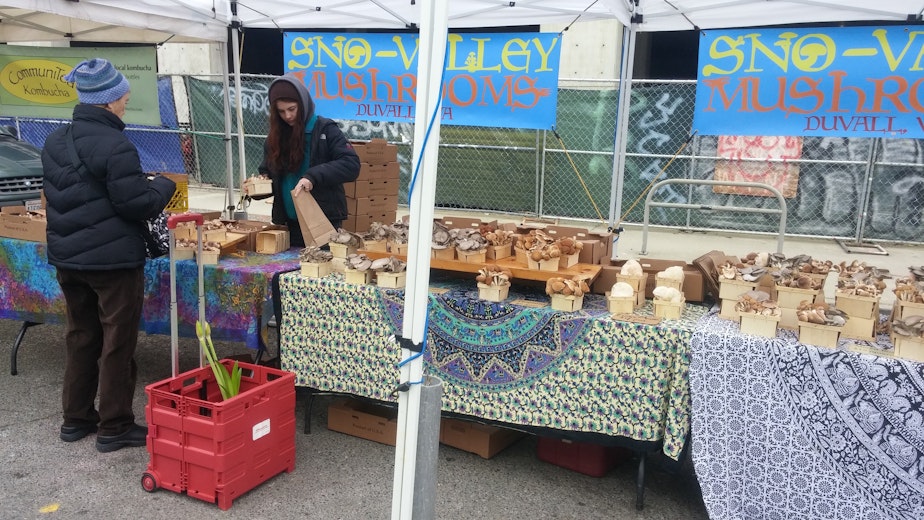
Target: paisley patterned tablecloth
237, 291
792, 431
508, 362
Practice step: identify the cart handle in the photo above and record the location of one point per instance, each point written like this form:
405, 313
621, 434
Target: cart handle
173, 220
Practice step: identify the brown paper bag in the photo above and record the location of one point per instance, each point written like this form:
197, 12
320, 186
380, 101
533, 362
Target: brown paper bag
316, 229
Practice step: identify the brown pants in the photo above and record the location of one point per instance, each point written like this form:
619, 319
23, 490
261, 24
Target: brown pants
103, 317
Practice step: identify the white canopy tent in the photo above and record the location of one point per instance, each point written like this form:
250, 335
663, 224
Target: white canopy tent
158, 21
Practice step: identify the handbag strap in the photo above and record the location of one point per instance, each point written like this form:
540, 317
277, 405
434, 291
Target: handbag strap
72, 150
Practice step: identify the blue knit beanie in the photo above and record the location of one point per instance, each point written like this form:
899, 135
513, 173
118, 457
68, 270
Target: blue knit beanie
97, 82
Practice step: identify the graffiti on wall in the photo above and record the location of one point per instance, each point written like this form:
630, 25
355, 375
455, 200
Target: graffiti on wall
836, 193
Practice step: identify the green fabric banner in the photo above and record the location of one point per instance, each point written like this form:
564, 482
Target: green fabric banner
32, 80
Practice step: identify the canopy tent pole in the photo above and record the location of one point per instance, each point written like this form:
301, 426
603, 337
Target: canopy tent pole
229, 163
627, 63
421, 197
239, 110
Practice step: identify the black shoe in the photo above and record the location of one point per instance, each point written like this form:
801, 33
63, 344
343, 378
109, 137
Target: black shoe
134, 437
75, 433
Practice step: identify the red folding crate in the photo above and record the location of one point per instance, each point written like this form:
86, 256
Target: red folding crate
214, 449
583, 457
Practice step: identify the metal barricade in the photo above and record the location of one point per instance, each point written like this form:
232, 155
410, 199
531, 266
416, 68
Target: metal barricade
779, 197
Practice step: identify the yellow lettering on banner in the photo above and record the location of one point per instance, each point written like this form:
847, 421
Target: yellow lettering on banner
38, 81
357, 52
724, 47
515, 48
891, 59
407, 60
807, 53
300, 47
544, 64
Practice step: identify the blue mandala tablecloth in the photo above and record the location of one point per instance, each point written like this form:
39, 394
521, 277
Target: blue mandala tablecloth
783, 430
237, 291
508, 362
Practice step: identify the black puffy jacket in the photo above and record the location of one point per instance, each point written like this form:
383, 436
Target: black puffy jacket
95, 218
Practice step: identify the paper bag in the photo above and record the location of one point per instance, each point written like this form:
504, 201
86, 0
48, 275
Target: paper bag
316, 229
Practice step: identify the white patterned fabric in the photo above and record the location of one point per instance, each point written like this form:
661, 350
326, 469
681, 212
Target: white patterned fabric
783, 430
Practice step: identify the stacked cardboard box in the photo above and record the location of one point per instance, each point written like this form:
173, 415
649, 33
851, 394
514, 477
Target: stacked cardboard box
373, 197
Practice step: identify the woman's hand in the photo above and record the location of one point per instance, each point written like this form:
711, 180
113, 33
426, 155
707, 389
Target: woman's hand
303, 185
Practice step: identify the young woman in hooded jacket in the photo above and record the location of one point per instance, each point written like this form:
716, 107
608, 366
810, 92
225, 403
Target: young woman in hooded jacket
305, 152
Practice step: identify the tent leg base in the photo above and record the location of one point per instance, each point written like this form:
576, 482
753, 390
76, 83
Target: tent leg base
862, 247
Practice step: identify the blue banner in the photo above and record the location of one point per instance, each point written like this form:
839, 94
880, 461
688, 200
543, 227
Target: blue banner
814, 81
505, 80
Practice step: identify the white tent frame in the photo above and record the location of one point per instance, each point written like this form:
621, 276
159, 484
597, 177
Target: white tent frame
197, 20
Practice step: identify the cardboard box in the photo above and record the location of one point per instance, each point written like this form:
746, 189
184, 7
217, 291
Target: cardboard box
480, 439
371, 172
378, 187
16, 222
374, 204
693, 289
464, 222
376, 151
272, 241
361, 223
371, 421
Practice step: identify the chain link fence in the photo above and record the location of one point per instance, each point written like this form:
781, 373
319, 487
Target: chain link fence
849, 188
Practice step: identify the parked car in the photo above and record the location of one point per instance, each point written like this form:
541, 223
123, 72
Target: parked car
20, 169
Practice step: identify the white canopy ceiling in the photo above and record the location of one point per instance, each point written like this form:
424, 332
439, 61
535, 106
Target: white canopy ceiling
155, 21
656, 15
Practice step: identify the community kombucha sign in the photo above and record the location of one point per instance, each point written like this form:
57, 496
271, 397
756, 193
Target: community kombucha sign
32, 80
491, 79
830, 81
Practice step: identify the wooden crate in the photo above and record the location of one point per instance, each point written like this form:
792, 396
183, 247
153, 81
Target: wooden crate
668, 310
861, 328
272, 241
727, 309
857, 306
341, 250
566, 261
493, 293
448, 253
471, 257
620, 304
732, 289
909, 347
572, 303
904, 309
791, 297
391, 280
543, 265
315, 269
819, 335
759, 324
661, 281
498, 252
357, 277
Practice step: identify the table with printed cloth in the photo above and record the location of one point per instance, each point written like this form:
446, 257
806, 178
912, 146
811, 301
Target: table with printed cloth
787, 430
508, 362
237, 290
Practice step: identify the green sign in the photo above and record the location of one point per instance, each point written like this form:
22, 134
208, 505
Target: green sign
32, 80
